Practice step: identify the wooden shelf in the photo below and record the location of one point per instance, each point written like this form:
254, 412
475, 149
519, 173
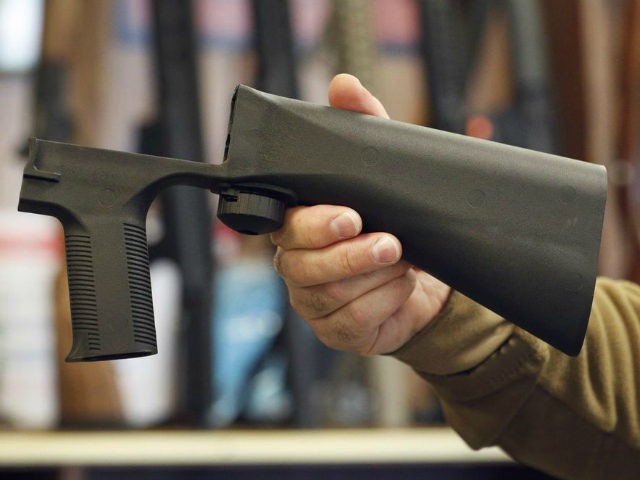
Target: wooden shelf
221, 448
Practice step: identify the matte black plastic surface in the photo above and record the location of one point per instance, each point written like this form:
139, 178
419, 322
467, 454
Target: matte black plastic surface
102, 197
516, 230
250, 213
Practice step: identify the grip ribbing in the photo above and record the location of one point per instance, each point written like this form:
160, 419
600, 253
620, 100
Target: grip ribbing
144, 331
82, 292
110, 291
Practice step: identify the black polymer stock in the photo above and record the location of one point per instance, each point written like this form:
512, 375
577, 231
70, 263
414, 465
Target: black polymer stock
518, 231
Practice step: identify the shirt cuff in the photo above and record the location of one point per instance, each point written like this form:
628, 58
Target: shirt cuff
461, 337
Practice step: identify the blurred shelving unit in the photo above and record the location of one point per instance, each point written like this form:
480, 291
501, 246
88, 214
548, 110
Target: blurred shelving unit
240, 448
326, 454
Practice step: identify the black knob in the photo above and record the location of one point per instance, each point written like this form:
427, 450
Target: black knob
250, 213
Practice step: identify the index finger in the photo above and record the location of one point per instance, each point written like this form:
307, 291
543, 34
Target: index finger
317, 226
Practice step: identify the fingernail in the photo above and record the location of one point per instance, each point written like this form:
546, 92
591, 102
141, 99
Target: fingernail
345, 225
386, 251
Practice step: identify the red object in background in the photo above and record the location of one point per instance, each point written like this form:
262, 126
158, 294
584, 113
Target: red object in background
480, 126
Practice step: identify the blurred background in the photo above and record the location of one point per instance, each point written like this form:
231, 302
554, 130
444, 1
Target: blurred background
157, 77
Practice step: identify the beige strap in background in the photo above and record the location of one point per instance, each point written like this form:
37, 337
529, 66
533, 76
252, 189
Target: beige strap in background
356, 48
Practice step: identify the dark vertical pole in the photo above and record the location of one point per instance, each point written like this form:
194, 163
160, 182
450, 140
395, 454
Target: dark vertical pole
531, 71
443, 46
274, 45
185, 210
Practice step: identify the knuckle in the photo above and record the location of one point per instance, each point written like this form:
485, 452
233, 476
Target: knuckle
317, 303
347, 262
344, 335
320, 300
350, 338
338, 332
326, 333
333, 293
358, 316
311, 303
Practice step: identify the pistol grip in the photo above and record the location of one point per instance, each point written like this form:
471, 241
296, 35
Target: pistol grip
110, 290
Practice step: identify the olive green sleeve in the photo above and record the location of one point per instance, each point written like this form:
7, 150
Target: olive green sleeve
572, 417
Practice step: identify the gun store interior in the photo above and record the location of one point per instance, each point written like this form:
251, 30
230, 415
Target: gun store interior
241, 386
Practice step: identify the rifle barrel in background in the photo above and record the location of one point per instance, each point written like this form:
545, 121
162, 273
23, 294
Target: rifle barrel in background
185, 210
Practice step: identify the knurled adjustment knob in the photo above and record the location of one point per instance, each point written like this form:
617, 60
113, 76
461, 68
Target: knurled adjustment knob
250, 213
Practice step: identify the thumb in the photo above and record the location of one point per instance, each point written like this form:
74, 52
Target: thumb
347, 93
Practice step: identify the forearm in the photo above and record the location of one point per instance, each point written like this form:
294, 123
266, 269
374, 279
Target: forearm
499, 385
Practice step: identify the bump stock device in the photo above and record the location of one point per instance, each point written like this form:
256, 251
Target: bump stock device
518, 231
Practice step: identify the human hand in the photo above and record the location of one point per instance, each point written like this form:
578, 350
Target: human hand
353, 289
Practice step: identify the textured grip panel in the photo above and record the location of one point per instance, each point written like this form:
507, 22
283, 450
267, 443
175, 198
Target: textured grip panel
82, 290
110, 290
140, 284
